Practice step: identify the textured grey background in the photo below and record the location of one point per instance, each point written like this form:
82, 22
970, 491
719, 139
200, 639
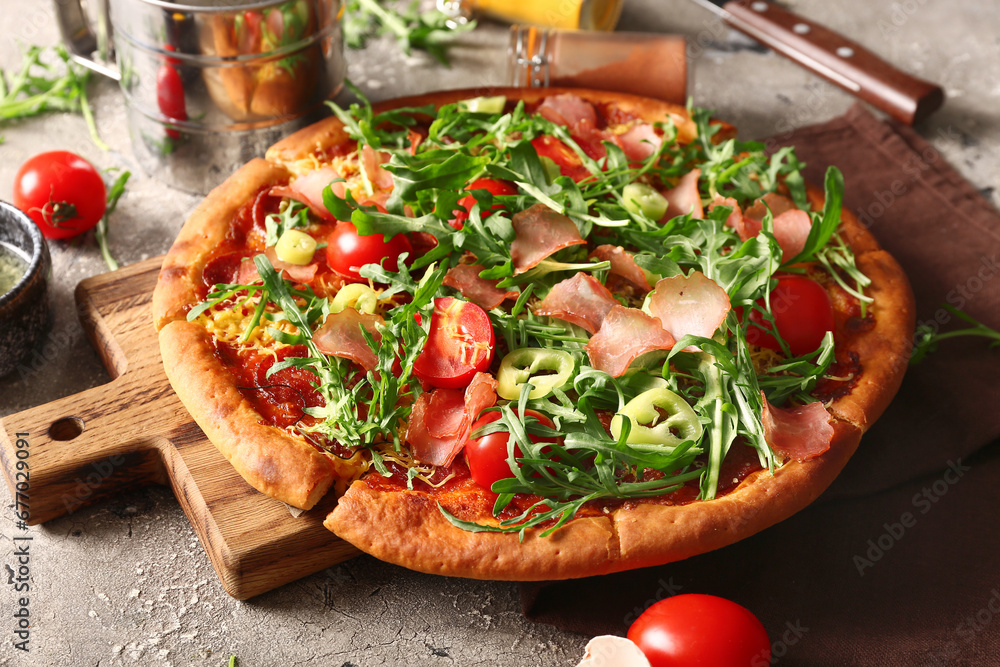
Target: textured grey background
127, 581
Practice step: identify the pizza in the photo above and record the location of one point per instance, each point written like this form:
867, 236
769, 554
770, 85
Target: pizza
538, 335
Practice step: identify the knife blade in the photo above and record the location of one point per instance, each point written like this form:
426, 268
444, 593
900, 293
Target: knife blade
832, 56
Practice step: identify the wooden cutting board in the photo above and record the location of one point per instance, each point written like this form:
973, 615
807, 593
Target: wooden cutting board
134, 431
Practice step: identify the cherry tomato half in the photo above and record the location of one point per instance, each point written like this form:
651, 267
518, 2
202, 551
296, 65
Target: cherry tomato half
487, 456
459, 345
802, 314
695, 630
63, 193
569, 163
170, 96
347, 251
493, 185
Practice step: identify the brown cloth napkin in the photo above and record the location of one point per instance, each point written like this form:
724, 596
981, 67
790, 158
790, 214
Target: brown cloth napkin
898, 563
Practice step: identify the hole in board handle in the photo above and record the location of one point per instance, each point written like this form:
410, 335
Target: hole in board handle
66, 428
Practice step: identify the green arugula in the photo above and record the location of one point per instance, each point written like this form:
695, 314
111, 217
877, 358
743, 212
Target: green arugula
47, 81
431, 31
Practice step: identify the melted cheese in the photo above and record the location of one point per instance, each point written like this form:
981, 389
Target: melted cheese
228, 325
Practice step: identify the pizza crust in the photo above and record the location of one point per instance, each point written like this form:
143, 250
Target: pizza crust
406, 527
272, 461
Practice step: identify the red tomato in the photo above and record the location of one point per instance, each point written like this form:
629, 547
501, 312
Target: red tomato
487, 456
493, 185
459, 345
63, 193
248, 32
347, 251
568, 162
170, 96
802, 314
700, 631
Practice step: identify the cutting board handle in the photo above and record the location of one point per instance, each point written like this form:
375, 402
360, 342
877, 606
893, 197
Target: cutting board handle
69, 453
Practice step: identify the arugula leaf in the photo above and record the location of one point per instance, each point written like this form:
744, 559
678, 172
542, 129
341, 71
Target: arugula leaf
115, 193
430, 31
39, 87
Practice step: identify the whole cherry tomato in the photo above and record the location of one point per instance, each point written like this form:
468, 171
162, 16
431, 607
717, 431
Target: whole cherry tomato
493, 185
459, 345
701, 631
63, 193
347, 251
802, 314
170, 96
487, 456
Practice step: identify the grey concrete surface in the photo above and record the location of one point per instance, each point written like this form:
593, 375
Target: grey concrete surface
127, 582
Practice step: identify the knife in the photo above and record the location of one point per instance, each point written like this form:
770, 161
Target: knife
832, 56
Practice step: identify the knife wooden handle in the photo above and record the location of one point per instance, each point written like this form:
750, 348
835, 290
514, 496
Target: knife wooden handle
836, 58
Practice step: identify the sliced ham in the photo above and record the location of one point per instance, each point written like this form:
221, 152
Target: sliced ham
777, 203
683, 198
299, 273
308, 189
640, 141
626, 334
735, 219
480, 291
372, 161
791, 225
582, 300
441, 420
622, 264
692, 304
592, 141
340, 336
539, 232
800, 433
569, 110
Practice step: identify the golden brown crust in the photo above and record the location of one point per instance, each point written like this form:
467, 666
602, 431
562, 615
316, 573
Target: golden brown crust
884, 351
208, 226
406, 527
272, 461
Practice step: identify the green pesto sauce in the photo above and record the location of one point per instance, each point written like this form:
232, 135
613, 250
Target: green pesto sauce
12, 268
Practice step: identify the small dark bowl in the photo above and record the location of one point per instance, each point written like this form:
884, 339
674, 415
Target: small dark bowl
24, 310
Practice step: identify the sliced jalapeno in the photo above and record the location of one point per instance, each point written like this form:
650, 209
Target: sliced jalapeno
295, 247
639, 197
659, 417
492, 104
544, 370
355, 295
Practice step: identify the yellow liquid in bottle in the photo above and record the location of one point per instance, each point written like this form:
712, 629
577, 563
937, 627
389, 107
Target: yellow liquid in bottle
561, 14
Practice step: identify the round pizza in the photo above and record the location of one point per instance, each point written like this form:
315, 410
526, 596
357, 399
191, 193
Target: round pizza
544, 334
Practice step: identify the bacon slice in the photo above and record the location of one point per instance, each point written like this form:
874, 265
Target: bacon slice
308, 189
592, 140
622, 264
340, 336
683, 198
441, 420
372, 161
539, 232
480, 291
640, 141
694, 305
569, 110
625, 334
582, 300
801, 433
